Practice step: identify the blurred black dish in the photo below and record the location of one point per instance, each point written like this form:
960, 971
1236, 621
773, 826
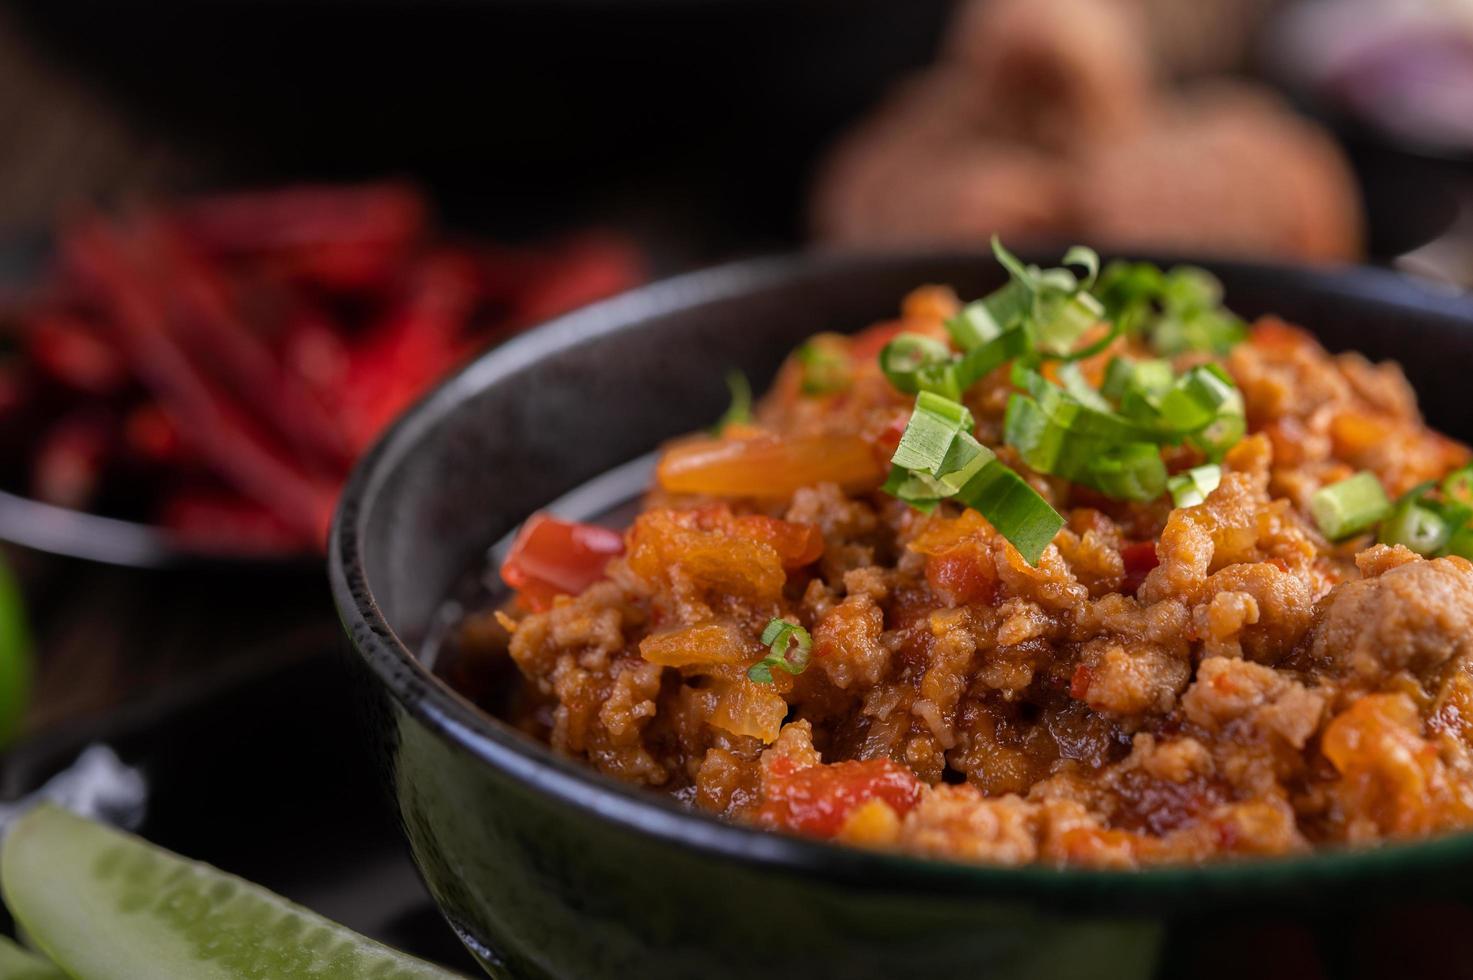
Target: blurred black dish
499, 104
547, 869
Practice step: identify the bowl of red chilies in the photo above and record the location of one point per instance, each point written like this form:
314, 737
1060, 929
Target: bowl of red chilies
192, 382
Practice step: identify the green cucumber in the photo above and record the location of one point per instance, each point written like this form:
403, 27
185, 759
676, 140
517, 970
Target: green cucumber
105, 905
20, 964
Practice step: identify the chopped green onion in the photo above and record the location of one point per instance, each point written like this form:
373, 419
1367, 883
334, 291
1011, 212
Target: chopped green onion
1350, 506
1014, 508
1461, 543
1133, 471
1089, 259
938, 458
918, 490
1095, 449
1072, 378
928, 436
1458, 485
826, 367
1059, 307
1417, 527
788, 646
1190, 488
989, 317
1148, 378
739, 412
905, 358
1179, 311
1062, 320
981, 361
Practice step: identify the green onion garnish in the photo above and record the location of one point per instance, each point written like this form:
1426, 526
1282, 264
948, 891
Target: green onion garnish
1190, 488
1350, 506
1457, 486
1461, 543
1014, 508
938, 458
1178, 311
1141, 381
825, 366
1133, 471
1066, 433
739, 412
1418, 527
934, 425
1107, 438
905, 358
788, 645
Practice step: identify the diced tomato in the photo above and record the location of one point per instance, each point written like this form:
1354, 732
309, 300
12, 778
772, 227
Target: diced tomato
796, 544
816, 800
552, 557
869, 342
1140, 558
961, 576
1271, 333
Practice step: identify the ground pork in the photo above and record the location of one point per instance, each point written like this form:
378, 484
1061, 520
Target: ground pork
1163, 685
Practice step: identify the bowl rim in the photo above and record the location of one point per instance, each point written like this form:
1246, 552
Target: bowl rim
538, 768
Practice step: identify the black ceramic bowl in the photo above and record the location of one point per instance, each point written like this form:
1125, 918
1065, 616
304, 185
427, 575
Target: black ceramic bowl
548, 870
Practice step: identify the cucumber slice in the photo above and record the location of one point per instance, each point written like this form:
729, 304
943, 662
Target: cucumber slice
105, 905
18, 964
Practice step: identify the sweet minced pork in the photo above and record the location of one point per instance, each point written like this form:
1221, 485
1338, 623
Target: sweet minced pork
1165, 685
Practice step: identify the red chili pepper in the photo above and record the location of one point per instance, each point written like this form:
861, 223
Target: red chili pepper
401, 357
152, 437
69, 350
67, 468
586, 269
274, 335
221, 521
315, 351
345, 239
306, 216
217, 430
208, 325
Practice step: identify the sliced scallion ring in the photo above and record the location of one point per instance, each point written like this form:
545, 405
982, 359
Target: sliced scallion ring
1349, 507
1190, 488
905, 357
789, 646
